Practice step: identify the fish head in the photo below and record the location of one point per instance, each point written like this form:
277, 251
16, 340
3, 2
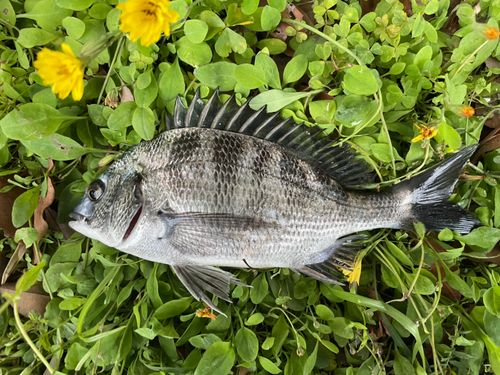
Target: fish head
111, 208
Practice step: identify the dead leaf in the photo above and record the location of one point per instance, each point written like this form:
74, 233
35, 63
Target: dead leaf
6, 202
126, 95
13, 261
34, 299
39, 223
51, 218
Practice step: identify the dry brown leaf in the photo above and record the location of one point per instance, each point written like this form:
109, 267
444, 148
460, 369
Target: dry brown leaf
51, 218
6, 202
39, 223
13, 261
34, 299
126, 95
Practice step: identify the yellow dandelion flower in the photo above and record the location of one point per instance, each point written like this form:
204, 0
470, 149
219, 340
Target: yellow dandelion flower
146, 19
354, 275
426, 132
205, 313
63, 70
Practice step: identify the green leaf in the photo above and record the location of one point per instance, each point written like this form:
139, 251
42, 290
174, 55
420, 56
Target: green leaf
27, 280
402, 366
143, 121
144, 97
268, 365
56, 147
270, 69
398, 253
204, 341
450, 135
295, 69
194, 54
220, 74
483, 237
382, 151
24, 206
8, 14
122, 116
75, 27
277, 99
172, 82
246, 344
29, 38
311, 361
397, 68
280, 333
279, 5
71, 303
75, 354
67, 253
274, 46
173, 308
248, 7
217, 360
249, 76
255, 319
47, 14
457, 283
324, 312
27, 235
196, 30
259, 289
75, 4
270, 18
360, 80
230, 41
31, 121
491, 300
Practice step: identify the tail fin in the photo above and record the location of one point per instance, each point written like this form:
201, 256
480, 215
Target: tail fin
429, 194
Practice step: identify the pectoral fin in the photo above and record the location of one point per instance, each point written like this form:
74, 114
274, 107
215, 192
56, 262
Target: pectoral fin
197, 279
343, 255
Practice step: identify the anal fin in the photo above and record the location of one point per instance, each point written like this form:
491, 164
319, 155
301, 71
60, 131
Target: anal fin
197, 279
343, 255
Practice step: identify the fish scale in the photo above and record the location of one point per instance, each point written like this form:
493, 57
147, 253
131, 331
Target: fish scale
227, 186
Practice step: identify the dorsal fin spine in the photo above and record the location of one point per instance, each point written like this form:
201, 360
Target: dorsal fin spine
237, 115
221, 112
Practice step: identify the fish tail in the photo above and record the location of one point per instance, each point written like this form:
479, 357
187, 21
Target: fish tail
430, 192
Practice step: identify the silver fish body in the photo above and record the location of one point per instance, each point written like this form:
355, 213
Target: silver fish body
213, 191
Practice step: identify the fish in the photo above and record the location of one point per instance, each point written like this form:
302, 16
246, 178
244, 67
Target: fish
227, 186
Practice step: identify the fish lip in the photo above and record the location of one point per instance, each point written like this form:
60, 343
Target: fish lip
78, 217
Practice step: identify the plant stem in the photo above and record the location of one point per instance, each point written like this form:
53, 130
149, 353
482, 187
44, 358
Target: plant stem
33, 347
470, 57
115, 56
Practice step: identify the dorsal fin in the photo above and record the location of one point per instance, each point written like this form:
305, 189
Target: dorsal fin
310, 143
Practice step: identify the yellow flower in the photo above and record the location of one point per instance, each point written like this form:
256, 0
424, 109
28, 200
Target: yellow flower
63, 70
205, 313
146, 19
354, 275
426, 132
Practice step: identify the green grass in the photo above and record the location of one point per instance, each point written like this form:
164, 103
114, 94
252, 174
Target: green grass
425, 303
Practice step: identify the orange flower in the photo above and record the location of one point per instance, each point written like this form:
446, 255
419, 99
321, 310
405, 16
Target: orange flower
491, 33
205, 313
426, 132
466, 111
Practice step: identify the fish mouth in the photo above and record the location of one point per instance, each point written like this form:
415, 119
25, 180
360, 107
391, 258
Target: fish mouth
132, 223
77, 216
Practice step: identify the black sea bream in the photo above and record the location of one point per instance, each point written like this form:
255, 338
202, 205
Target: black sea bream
228, 186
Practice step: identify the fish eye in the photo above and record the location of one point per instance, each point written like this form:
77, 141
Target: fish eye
96, 190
